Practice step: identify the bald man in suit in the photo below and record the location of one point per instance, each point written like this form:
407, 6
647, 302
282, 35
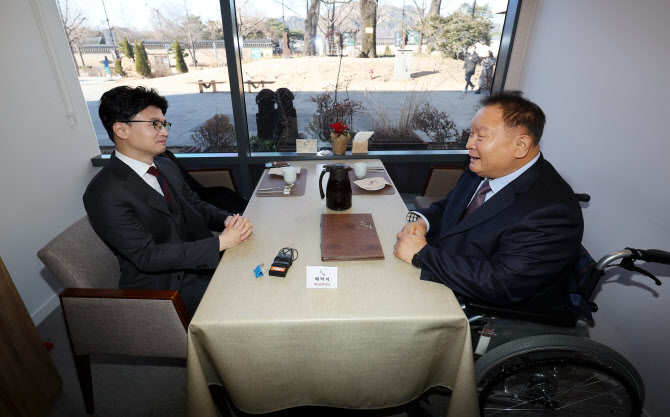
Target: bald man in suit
510, 231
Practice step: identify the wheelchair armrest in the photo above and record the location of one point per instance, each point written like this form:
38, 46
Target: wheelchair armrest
556, 318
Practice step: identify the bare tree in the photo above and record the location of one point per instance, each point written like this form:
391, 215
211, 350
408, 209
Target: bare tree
311, 26
195, 30
421, 11
369, 24
214, 31
338, 14
248, 24
72, 19
177, 26
191, 38
435, 7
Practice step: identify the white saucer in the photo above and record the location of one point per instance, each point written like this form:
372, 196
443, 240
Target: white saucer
371, 181
373, 189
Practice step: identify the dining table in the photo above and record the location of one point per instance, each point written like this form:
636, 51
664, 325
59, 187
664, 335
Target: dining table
379, 339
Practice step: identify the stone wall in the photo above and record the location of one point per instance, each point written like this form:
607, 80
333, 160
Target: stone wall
94, 56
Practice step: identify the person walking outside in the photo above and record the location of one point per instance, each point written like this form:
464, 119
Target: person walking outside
470, 64
486, 77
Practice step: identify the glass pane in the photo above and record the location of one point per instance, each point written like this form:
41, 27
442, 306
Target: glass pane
108, 36
394, 67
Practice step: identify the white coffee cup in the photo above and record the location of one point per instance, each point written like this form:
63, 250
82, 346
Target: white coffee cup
360, 169
290, 175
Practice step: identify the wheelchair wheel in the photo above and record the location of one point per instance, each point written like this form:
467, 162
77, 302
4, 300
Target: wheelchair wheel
552, 375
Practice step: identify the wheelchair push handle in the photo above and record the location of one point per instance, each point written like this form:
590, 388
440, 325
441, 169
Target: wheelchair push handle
628, 258
651, 255
583, 197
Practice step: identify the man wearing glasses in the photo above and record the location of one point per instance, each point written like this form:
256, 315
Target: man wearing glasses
141, 207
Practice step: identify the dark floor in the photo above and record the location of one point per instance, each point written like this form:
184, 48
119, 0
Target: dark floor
146, 387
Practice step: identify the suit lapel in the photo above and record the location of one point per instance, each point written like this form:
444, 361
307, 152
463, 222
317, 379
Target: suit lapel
137, 186
461, 197
499, 202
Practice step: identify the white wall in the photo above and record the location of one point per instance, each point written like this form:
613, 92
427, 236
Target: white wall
44, 160
599, 69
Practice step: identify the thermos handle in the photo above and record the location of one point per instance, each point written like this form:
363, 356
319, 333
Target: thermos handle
321, 183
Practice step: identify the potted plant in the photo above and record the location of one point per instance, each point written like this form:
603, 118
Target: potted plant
339, 137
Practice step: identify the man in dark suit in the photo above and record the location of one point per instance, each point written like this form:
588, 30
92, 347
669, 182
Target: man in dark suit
140, 205
509, 232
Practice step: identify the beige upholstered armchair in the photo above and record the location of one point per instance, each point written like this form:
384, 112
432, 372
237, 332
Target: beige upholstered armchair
103, 320
440, 181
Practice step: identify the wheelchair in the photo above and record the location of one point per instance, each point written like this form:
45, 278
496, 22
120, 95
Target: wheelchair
543, 364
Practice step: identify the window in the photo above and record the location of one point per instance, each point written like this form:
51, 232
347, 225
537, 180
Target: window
393, 67
168, 45
310, 64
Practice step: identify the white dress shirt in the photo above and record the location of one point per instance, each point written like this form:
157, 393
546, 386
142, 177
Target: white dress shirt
496, 184
141, 169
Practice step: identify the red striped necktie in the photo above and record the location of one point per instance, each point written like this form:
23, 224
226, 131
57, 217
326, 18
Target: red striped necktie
161, 181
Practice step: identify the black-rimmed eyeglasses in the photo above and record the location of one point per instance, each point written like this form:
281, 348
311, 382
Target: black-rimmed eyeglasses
157, 124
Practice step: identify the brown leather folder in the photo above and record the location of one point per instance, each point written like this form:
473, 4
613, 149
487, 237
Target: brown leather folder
349, 237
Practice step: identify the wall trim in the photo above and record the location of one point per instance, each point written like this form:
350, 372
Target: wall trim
45, 309
57, 68
521, 38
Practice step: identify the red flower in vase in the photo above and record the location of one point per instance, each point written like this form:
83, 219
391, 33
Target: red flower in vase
339, 128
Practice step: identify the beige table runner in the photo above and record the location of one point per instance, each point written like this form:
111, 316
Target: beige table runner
380, 339
275, 181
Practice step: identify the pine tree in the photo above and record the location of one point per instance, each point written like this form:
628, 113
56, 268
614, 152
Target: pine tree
118, 69
127, 49
142, 61
179, 56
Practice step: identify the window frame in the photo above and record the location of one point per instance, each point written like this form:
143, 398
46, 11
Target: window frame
244, 159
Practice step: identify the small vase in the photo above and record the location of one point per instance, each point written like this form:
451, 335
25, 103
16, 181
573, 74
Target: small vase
339, 143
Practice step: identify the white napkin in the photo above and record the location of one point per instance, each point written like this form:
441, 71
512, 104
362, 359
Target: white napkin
280, 171
362, 136
372, 184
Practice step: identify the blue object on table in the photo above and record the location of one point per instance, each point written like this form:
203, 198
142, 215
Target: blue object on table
258, 271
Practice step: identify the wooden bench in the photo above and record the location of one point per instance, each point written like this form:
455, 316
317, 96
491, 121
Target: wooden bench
256, 84
207, 84
213, 83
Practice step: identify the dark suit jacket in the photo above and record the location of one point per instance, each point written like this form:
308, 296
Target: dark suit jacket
156, 243
518, 248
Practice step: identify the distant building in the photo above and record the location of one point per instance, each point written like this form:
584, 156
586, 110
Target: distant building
98, 40
108, 37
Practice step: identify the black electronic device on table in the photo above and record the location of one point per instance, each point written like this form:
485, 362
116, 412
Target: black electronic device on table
283, 262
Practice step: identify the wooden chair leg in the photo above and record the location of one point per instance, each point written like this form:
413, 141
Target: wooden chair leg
83, 365
213, 86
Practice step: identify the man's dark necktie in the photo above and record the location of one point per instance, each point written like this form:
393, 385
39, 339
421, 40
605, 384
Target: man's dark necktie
478, 199
161, 181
